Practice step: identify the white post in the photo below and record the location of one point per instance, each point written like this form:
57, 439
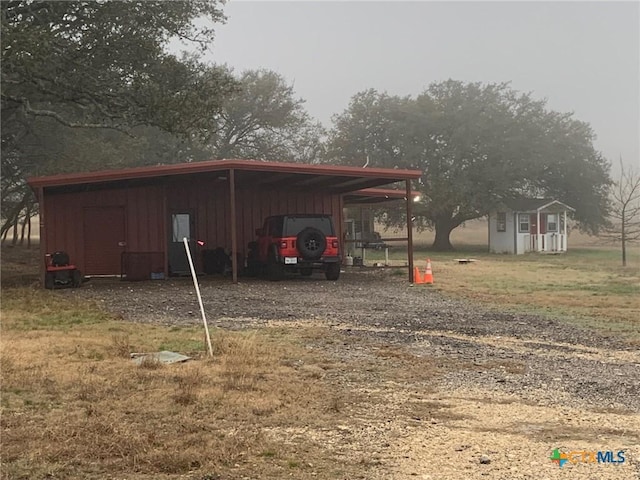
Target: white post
538, 232
564, 215
386, 256
195, 284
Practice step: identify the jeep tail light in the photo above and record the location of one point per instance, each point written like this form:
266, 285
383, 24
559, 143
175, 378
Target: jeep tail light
334, 244
283, 244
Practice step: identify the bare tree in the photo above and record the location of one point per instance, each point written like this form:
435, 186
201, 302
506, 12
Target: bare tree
624, 226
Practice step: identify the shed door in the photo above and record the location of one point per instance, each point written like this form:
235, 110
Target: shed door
104, 240
533, 219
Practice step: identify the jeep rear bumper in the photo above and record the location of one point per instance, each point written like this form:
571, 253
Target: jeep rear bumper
301, 262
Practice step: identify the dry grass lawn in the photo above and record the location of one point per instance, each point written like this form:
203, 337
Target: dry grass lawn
85, 410
294, 400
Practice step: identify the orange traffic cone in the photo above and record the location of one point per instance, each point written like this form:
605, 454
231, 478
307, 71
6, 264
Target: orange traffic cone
428, 274
417, 276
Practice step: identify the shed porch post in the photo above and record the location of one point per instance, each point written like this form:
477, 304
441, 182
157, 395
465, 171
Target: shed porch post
409, 201
564, 242
538, 249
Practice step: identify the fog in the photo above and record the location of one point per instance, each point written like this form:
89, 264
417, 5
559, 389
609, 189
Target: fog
583, 57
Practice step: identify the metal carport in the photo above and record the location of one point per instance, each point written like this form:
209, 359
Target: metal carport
240, 192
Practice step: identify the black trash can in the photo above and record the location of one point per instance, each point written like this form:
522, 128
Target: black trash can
214, 261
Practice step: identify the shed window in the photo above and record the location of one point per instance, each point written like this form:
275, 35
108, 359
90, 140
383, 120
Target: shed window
501, 224
181, 226
523, 223
552, 222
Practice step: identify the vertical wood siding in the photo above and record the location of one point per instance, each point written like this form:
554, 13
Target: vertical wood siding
208, 200
65, 212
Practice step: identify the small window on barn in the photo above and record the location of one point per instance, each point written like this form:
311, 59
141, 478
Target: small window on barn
181, 226
523, 223
552, 222
502, 222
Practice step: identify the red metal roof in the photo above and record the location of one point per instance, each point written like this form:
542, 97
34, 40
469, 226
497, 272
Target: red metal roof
289, 173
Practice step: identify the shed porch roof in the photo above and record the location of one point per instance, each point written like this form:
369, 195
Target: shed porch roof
535, 204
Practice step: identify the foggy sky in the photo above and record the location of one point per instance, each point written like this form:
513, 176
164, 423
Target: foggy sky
583, 57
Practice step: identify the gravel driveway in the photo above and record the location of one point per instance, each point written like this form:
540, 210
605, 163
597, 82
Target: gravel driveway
594, 369
540, 361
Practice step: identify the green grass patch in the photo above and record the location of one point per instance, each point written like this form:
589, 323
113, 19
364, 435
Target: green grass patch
586, 287
34, 308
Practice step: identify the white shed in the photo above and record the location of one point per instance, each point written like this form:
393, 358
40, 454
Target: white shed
514, 227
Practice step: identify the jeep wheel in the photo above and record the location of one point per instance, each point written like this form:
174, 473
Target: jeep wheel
275, 270
311, 243
333, 271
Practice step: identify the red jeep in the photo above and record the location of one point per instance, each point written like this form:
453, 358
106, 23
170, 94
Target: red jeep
297, 243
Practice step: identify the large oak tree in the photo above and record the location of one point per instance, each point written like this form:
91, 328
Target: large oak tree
264, 120
478, 146
95, 65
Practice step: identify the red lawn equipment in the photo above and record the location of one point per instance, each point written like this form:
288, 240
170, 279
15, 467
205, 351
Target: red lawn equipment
60, 273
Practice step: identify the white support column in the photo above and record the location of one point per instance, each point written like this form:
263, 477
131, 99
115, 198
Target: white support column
538, 245
564, 233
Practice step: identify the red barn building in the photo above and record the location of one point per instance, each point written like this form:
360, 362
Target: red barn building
97, 217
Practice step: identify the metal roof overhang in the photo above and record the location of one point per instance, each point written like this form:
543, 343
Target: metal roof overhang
336, 179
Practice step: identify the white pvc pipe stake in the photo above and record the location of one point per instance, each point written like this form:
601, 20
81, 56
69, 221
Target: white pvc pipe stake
195, 284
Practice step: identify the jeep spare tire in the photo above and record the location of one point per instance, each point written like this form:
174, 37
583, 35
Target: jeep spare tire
311, 243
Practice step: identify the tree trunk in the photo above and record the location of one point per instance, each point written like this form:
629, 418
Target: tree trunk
25, 220
624, 240
29, 233
16, 223
444, 228
23, 229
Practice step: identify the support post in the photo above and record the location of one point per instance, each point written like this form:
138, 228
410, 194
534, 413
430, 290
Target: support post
538, 245
234, 233
564, 243
409, 201
43, 236
362, 234
166, 234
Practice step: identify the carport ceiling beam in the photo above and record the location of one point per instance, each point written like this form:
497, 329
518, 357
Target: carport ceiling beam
359, 184
315, 180
272, 180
